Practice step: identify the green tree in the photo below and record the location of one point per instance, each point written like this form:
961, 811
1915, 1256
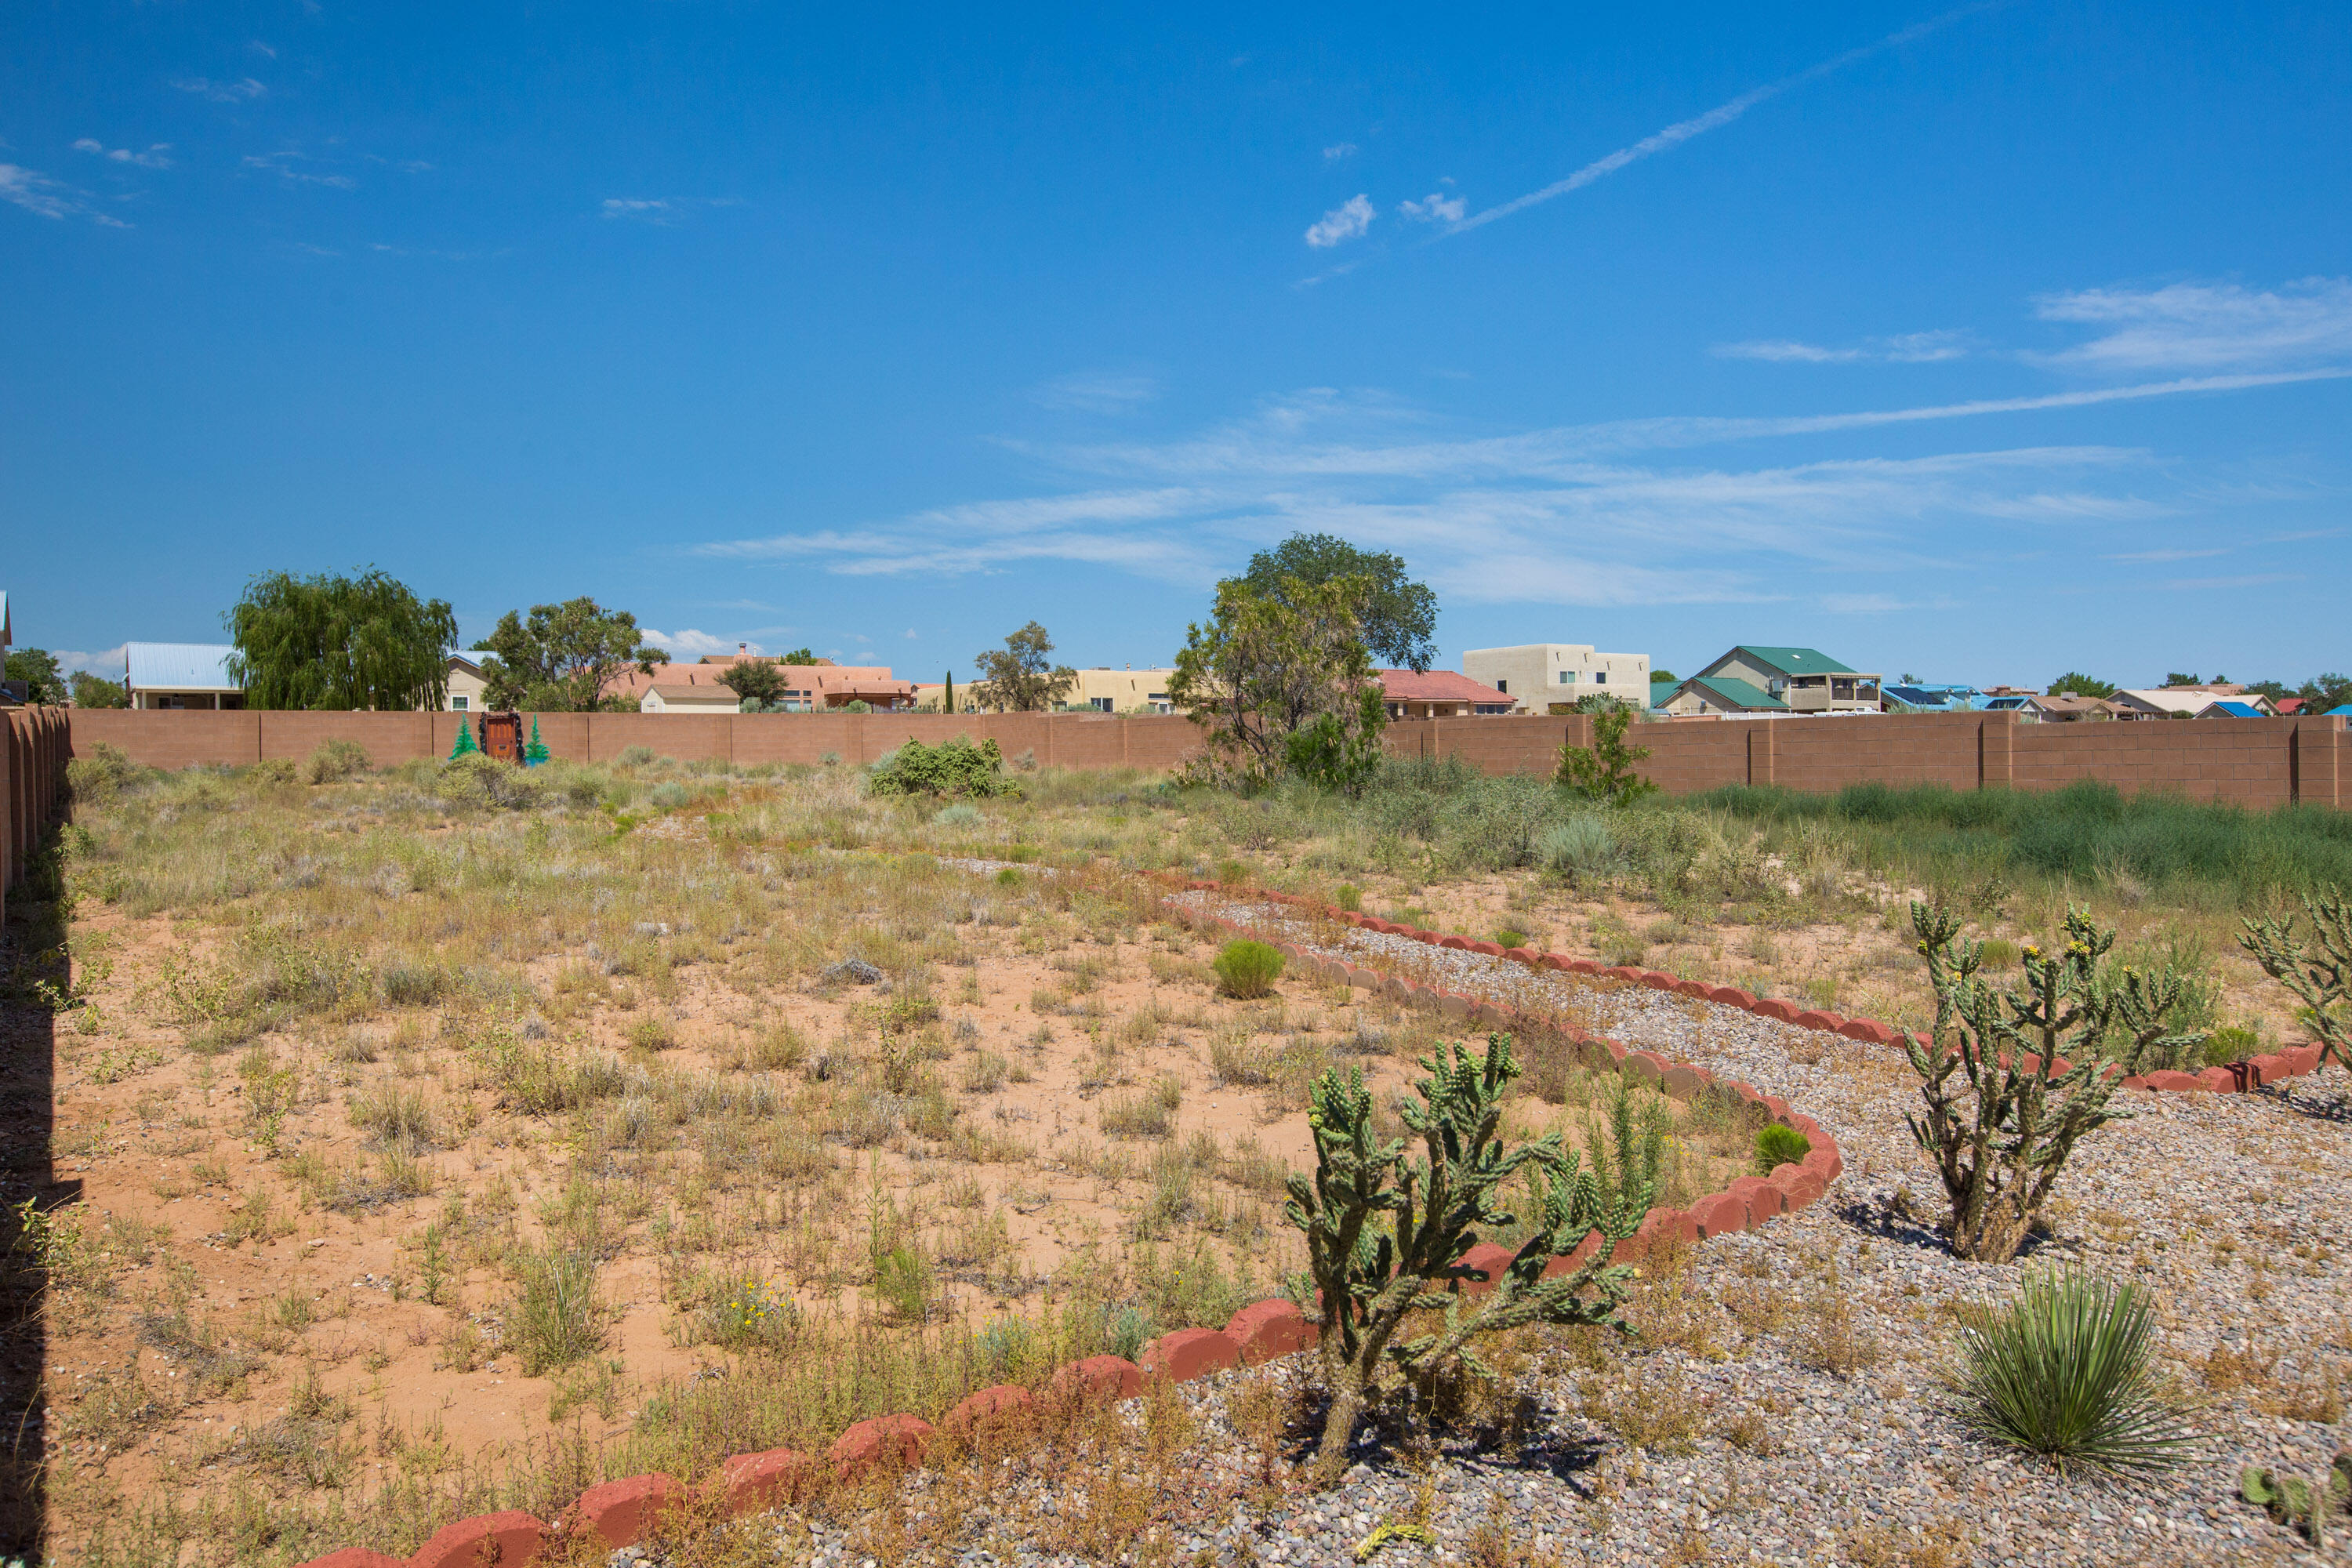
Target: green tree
1018, 678
1604, 770
38, 669
758, 681
1268, 665
336, 643
2176, 679
798, 657
97, 691
2075, 683
559, 658
2322, 692
1658, 675
1398, 616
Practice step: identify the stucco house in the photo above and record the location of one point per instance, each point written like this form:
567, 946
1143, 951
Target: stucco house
1802, 680
1549, 677
180, 675
1438, 694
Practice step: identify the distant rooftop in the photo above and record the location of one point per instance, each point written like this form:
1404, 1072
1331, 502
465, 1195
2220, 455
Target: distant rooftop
180, 667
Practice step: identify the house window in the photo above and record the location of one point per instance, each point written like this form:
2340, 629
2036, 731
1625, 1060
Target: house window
1567, 678
458, 704
1504, 687
1599, 678
1100, 704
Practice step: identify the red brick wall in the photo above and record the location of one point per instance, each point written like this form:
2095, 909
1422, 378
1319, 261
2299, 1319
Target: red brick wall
2256, 761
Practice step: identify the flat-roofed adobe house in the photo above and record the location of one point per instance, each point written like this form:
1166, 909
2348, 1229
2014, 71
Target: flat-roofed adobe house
1549, 677
1802, 680
808, 688
1438, 694
180, 675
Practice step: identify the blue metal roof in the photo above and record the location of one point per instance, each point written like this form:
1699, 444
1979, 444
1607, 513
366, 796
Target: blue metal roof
2236, 710
179, 667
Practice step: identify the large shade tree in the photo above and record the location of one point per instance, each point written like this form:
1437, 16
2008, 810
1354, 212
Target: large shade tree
758, 681
1283, 682
1019, 677
559, 658
1397, 616
340, 643
38, 669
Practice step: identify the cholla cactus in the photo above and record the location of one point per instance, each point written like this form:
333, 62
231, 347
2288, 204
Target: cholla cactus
2320, 983
2306, 1505
2000, 1139
1385, 1234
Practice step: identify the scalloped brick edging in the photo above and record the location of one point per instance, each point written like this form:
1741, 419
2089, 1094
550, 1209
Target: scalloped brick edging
618, 1513
2238, 1078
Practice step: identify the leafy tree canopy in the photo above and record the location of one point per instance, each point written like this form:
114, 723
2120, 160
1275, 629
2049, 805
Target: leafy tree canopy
2075, 683
799, 656
1657, 675
336, 643
38, 669
1284, 680
559, 658
1018, 679
97, 691
2176, 679
756, 681
1398, 616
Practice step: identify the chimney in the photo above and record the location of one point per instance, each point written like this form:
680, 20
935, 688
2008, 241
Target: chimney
742, 648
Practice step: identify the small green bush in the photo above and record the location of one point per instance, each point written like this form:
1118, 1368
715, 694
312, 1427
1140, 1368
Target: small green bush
902, 1279
1248, 968
102, 775
484, 781
1008, 877
955, 816
1780, 1144
2067, 1370
1349, 898
953, 767
557, 1318
634, 757
2234, 1043
1510, 936
335, 759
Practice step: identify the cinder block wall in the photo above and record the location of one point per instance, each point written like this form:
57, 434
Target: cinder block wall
2253, 761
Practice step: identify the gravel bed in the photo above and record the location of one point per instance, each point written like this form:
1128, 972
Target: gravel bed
1820, 1437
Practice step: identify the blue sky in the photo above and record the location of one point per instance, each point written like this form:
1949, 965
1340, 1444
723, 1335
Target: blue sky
1981, 344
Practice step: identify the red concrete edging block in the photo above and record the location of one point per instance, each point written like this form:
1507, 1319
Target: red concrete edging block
2268, 1068
2301, 1059
1459, 944
1797, 1186
1764, 1199
1825, 1160
355, 1557
1870, 1031
2220, 1080
1660, 1223
1775, 1008
2174, 1082
1814, 1018
1644, 1068
1552, 961
899, 1438
1264, 1330
1621, 972
510, 1539
1520, 955
1582, 966
1189, 1353
1452, 1006
1683, 1080
619, 1512
1487, 949
1492, 1016
1719, 1216
1007, 1404
756, 1481
1659, 980
1099, 1378
1732, 996
1490, 1259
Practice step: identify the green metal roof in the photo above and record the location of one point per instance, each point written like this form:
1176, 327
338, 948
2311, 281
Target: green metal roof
1731, 693
1792, 660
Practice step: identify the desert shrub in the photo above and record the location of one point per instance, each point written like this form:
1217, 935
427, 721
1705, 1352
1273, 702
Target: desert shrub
634, 757
333, 761
557, 1318
103, 775
2234, 1043
1247, 968
1780, 1144
750, 1314
669, 796
1604, 770
1147, 1113
2066, 1370
1510, 936
902, 1280
957, 815
1581, 849
478, 780
953, 767
1347, 898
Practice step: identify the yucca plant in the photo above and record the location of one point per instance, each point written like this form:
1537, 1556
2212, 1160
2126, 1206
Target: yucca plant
2066, 1371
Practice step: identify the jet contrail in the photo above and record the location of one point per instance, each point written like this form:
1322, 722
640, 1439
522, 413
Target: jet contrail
1674, 135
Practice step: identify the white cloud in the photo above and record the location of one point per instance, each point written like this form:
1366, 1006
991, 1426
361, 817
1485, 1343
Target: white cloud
2156, 555
1908, 348
243, 90
258, 47
36, 192
1097, 392
1784, 351
688, 643
913, 635
1437, 207
2206, 326
643, 209
151, 159
1345, 221
287, 166
1337, 151
1723, 115
107, 662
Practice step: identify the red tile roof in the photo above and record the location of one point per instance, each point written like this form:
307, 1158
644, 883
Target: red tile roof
1436, 686
862, 680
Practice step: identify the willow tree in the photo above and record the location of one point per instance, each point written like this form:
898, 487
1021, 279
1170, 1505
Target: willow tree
340, 643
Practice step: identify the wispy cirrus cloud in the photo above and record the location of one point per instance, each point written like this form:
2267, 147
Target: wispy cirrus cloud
1337, 151
1722, 114
1906, 348
153, 158
1435, 207
2205, 326
37, 194
1097, 392
243, 90
1347, 221
294, 167
660, 211
689, 643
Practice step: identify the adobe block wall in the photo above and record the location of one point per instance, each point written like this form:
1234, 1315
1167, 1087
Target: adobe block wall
390, 739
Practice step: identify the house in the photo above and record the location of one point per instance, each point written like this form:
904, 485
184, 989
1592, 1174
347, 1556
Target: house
180, 675
1549, 677
1438, 694
2190, 701
1926, 697
1718, 696
465, 685
2288, 707
808, 688
1129, 690
2230, 708
2063, 707
1802, 680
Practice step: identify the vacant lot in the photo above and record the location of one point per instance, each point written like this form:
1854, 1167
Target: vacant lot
445, 1139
